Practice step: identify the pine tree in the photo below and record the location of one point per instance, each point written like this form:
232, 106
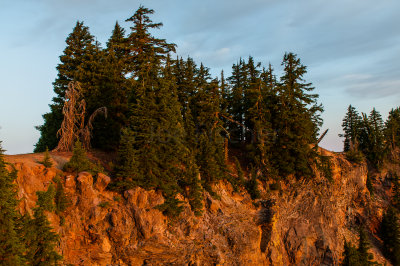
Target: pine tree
237, 81
40, 239
46, 198
392, 131
351, 127
111, 90
77, 64
359, 256
350, 254
390, 233
296, 121
79, 161
11, 246
372, 138
61, 199
261, 114
158, 136
47, 159
206, 107
365, 257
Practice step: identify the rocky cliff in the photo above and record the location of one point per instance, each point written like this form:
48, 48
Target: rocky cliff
303, 223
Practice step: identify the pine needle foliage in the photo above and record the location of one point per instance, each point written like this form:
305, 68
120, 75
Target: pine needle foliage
390, 233
79, 161
47, 159
11, 247
61, 199
46, 198
40, 239
360, 255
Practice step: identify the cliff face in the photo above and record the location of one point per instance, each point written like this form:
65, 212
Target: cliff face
303, 224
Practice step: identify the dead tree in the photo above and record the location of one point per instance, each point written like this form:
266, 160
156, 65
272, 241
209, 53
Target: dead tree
74, 110
86, 132
73, 126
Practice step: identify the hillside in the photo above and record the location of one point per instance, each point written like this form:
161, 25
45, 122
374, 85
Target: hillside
302, 223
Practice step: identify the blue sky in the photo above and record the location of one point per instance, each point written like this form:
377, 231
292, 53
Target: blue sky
351, 49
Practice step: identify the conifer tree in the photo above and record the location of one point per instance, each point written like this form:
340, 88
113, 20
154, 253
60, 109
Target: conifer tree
126, 168
350, 254
351, 128
390, 232
261, 115
237, 81
206, 106
61, 199
111, 90
251, 94
365, 257
158, 136
79, 161
392, 131
296, 121
47, 159
11, 246
46, 198
372, 138
77, 64
40, 239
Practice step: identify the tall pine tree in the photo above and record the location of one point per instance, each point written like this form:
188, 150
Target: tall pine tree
296, 121
77, 64
11, 247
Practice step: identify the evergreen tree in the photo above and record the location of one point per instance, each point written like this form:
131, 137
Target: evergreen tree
40, 239
237, 81
390, 233
46, 198
206, 107
351, 127
296, 121
158, 136
392, 130
11, 246
185, 76
47, 159
61, 200
111, 90
126, 168
77, 64
365, 257
350, 254
261, 115
372, 138
252, 96
359, 256
79, 161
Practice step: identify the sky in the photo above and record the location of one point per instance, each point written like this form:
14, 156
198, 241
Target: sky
351, 49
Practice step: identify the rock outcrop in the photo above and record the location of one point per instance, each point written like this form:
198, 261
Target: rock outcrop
303, 223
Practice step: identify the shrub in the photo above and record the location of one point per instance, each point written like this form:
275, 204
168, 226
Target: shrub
61, 199
79, 162
47, 159
172, 207
325, 166
46, 198
355, 156
104, 204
